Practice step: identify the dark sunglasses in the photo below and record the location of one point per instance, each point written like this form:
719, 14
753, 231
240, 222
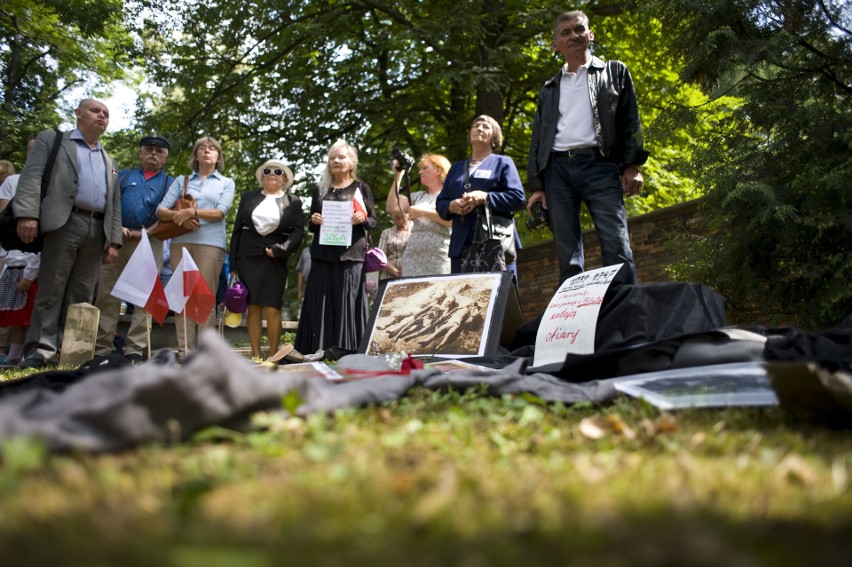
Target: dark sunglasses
276, 171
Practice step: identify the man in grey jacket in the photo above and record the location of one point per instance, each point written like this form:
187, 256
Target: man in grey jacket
586, 147
79, 218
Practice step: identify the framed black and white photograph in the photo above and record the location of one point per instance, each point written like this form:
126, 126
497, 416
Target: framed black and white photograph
718, 385
455, 316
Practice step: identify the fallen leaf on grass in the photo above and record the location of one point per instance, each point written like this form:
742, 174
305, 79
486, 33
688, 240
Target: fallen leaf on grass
794, 468
620, 426
598, 428
593, 428
665, 423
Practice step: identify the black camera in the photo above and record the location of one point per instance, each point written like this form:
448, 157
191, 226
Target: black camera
540, 217
403, 160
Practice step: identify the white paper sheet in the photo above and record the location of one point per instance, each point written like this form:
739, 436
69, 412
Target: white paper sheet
336, 227
568, 324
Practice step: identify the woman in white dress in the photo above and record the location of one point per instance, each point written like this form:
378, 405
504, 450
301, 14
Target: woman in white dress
426, 251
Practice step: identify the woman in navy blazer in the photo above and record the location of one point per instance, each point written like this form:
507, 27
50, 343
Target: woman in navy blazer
494, 181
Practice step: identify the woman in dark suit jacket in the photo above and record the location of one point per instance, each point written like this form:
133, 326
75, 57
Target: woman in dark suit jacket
268, 229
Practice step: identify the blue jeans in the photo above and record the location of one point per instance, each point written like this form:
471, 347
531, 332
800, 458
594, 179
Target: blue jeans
568, 182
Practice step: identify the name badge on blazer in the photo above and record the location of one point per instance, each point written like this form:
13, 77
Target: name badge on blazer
482, 174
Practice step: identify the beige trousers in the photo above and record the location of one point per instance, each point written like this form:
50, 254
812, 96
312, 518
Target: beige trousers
209, 260
136, 341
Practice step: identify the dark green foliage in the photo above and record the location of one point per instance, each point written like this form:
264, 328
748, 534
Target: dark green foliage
776, 172
48, 49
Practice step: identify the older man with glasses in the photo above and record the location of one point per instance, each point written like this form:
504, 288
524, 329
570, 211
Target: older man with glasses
142, 189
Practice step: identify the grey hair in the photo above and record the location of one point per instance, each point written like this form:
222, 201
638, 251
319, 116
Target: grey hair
572, 15
325, 178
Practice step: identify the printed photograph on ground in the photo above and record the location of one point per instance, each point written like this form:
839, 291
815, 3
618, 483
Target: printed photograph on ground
445, 315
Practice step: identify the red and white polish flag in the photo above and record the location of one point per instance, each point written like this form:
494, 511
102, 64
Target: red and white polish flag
187, 291
139, 282
358, 202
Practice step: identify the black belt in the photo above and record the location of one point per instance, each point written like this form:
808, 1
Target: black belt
574, 152
88, 213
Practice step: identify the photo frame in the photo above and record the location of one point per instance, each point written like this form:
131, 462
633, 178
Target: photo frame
452, 316
716, 385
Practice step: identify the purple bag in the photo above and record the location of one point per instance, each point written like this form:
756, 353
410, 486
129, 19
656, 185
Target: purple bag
236, 298
375, 258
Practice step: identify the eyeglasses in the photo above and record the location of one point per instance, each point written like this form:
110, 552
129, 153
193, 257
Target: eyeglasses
276, 171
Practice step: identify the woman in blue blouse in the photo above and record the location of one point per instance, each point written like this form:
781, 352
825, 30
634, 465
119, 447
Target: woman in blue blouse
494, 181
206, 241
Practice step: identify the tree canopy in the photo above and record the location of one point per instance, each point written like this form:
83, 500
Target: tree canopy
289, 78
48, 48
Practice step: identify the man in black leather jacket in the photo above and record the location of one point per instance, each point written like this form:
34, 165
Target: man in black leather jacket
586, 146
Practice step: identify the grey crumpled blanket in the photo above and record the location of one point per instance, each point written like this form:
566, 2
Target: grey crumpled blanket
121, 408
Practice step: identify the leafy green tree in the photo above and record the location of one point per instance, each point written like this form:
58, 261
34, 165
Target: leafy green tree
776, 170
291, 77
288, 78
48, 48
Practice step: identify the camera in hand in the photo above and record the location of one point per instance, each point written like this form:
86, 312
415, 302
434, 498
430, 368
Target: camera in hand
540, 217
403, 160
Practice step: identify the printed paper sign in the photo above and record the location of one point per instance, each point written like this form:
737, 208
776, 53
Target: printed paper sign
568, 324
336, 227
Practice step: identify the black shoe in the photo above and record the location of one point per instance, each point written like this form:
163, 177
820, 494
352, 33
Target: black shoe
99, 360
32, 362
134, 358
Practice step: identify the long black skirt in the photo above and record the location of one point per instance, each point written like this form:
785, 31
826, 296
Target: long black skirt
335, 309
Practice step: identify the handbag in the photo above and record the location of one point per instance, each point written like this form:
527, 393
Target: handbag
236, 297
483, 255
165, 229
375, 258
9, 238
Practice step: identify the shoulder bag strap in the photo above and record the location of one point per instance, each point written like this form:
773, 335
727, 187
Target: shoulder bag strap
487, 207
48, 169
162, 194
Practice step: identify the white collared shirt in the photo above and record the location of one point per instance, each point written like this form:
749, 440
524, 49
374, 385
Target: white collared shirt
576, 127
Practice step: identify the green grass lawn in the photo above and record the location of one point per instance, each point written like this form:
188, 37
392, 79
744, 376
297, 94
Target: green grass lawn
446, 479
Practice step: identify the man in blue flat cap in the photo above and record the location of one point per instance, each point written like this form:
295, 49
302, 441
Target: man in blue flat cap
142, 189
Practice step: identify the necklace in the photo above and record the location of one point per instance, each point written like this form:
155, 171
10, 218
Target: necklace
476, 162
